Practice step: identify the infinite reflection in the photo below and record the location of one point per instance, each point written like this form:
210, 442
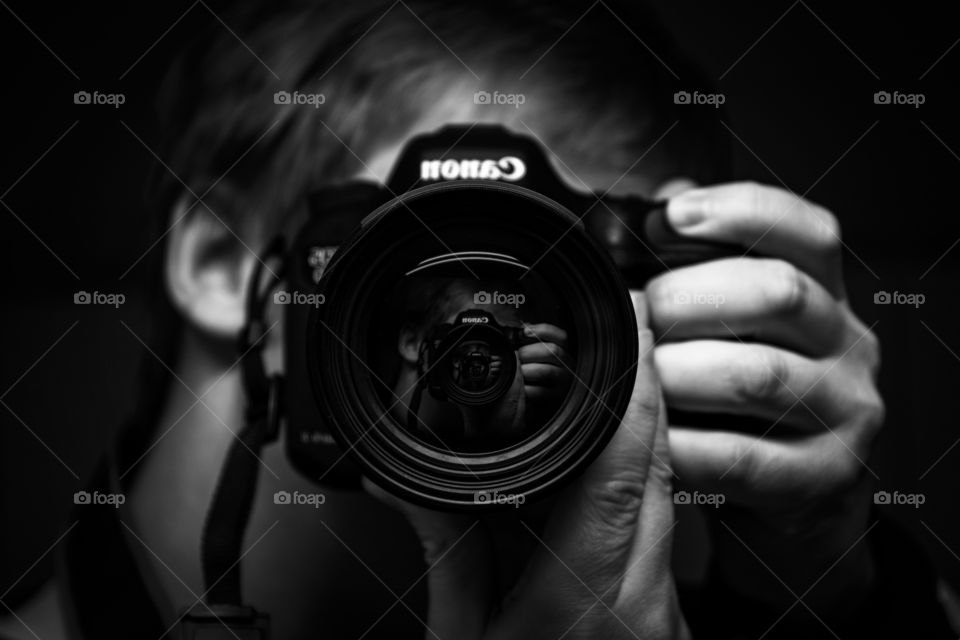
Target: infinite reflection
474, 365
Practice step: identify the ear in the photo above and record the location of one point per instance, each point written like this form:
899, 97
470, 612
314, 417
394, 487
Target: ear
673, 187
207, 270
408, 345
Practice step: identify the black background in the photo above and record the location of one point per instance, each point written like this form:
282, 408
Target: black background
801, 111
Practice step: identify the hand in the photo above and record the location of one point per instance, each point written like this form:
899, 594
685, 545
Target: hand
774, 338
601, 567
545, 364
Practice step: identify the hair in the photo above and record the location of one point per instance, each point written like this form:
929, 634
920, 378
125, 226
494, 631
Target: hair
599, 81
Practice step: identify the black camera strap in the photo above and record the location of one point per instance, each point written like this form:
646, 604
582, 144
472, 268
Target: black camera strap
229, 513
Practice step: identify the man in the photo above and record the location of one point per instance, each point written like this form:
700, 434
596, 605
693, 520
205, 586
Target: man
541, 379
784, 347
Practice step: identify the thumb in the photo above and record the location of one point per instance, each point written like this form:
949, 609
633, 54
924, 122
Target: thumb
459, 558
605, 510
589, 542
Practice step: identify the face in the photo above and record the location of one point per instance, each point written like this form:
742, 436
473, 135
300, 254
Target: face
458, 107
211, 294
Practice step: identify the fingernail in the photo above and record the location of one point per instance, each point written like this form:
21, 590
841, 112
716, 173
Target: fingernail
528, 331
686, 209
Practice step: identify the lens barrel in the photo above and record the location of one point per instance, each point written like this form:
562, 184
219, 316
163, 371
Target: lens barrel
471, 228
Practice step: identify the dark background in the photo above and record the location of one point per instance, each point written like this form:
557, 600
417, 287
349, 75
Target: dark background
800, 111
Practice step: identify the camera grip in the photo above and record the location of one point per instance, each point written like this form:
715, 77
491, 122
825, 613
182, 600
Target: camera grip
642, 242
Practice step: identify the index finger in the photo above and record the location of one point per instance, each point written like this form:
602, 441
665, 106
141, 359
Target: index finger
767, 220
545, 333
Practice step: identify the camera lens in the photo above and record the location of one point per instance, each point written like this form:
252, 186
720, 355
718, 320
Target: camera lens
474, 364
477, 370
419, 358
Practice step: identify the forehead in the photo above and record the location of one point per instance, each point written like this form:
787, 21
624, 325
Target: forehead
457, 106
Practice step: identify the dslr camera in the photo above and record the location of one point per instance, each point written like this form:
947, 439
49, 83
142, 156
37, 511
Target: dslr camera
409, 344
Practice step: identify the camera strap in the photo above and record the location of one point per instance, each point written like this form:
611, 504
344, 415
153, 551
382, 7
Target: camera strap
229, 512
413, 409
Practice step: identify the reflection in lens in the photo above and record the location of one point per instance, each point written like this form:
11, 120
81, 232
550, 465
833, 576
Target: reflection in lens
424, 363
463, 375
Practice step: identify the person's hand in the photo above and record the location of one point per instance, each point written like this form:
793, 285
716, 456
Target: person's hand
545, 363
772, 338
600, 568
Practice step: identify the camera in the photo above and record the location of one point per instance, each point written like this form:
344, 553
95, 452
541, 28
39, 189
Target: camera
427, 283
471, 360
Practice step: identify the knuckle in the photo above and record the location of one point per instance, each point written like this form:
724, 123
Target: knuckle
436, 544
871, 352
657, 293
842, 467
759, 378
871, 414
746, 470
877, 415
617, 501
789, 289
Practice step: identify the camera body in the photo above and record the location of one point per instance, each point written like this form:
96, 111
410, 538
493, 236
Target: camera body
444, 182
470, 361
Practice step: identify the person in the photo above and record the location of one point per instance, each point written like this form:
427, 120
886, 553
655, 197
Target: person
794, 549
542, 376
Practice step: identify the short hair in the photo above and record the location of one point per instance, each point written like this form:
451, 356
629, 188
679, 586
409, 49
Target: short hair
603, 74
